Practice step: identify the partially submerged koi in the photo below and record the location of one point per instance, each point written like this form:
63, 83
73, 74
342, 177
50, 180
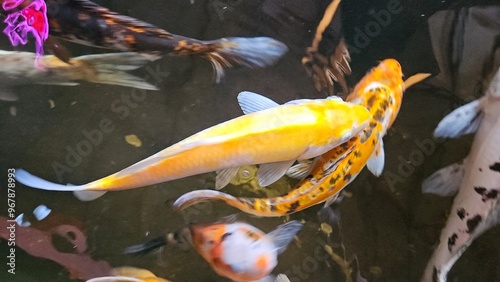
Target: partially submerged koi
475, 180
16, 68
236, 250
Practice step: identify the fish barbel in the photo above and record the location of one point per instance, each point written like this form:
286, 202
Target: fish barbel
381, 93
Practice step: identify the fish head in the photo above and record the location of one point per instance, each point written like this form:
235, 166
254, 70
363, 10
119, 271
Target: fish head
207, 237
382, 90
238, 251
393, 77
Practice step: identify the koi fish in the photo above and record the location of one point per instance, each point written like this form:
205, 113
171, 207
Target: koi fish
85, 22
475, 180
236, 250
269, 134
16, 68
380, 92
327, 59
129, 274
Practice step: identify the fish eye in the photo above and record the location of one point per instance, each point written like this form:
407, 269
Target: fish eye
226, 235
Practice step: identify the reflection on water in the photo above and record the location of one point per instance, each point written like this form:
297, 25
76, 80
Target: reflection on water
77, 134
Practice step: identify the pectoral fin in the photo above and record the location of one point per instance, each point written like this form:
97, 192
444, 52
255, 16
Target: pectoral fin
225, 176
252, 102
377, 160
446, 181
461, 121
300, 170
332, 200
270, 172
283, 234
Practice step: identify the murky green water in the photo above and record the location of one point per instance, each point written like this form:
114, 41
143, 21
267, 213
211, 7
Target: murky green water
389, 225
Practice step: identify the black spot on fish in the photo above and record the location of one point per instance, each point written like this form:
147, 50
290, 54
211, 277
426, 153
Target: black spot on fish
293, 207
357, 153
492, 194
370, 101
347, 177
480, 169
473, 223
485, 193
480, 190
495, 167
272, 207
461, 213
435, 277
378, 115
334, 180
225, 236
451, 241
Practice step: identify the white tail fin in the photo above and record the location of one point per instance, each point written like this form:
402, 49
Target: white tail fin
30, 180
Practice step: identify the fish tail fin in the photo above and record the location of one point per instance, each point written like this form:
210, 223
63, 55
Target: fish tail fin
30, 180
86, 196
255, 52
111, 69
248, 205
145, 248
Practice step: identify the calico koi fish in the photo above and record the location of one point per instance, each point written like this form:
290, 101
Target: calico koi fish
85, 22
381, 93
475, 180
236, 250
269, 134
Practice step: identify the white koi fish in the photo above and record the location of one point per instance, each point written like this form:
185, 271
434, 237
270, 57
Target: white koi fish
476, 179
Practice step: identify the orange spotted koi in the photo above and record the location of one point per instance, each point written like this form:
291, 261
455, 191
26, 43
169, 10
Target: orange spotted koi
381, 92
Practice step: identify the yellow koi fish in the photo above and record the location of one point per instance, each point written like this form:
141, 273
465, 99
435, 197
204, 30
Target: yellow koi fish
381, 92
269, 134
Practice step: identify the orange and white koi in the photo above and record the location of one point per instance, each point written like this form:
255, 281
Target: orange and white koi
269, 134
236, 250
475, 180
381, 92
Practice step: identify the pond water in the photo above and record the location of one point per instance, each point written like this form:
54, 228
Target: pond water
385, 222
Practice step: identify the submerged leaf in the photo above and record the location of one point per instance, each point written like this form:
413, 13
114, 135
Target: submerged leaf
133, 140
